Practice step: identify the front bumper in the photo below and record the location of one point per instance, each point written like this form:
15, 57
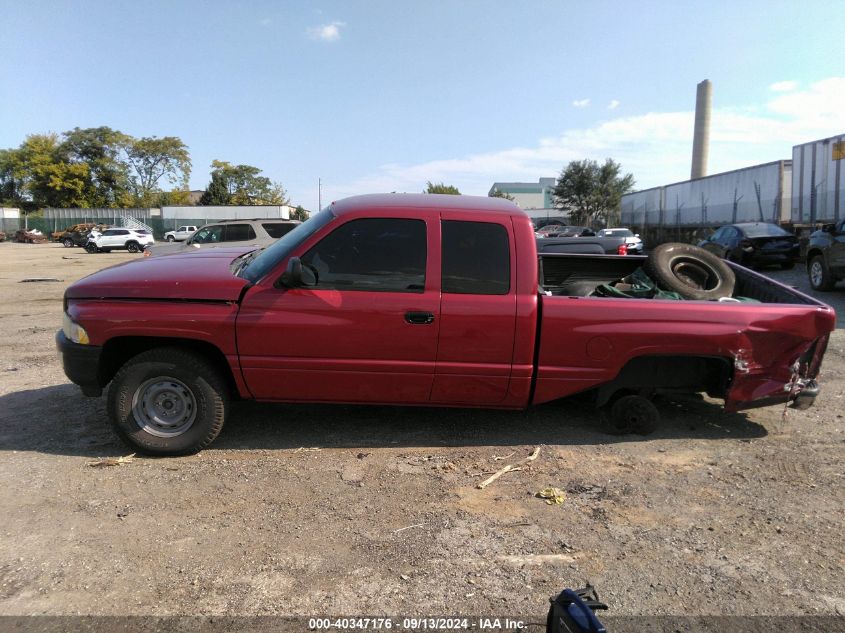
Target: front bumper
81, 364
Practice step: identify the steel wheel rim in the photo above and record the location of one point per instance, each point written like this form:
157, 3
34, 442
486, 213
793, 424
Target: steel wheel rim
816, 273
694, 274
164, 406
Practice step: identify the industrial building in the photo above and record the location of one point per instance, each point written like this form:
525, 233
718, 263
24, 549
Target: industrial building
535, 198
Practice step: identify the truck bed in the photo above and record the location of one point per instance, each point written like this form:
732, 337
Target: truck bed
577, 275
746, 353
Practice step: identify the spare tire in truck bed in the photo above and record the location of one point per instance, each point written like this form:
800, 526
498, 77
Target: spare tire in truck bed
692, 272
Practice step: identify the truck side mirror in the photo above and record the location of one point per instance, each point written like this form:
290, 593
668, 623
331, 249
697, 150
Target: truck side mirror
296, 275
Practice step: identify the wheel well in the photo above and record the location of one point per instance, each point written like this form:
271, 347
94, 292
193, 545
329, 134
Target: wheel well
679, 374
119, 350
812, 253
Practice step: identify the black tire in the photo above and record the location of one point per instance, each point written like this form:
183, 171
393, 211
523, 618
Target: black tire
820, 275
133, 247
90, 247
162, 382
631, 414
67, 242
692, 272
170, 238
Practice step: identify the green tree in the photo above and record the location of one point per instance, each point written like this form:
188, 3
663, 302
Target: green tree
241, 185
299, 214
11, 180
45, 177
441, 188
592, 192
102, 149
217, 192
152, 159
497, 193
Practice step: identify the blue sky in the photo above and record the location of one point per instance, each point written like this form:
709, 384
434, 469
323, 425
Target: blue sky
385, 95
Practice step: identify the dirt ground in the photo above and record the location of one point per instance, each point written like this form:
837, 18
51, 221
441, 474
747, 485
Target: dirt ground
323, 510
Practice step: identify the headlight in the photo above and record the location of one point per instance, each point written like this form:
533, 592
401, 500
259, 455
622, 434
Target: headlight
74, 332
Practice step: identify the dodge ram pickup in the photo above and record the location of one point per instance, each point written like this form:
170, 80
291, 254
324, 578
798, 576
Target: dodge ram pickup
418, 300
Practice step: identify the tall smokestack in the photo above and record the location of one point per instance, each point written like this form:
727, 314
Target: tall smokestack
701, 136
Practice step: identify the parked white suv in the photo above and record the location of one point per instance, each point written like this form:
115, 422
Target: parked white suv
132, 240
180, 234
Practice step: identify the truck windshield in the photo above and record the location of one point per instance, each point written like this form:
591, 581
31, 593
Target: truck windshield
267, 259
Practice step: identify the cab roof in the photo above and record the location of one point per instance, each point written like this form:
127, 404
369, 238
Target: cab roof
427, 201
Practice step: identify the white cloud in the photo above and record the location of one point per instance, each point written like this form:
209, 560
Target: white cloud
581, 103
326, 32
656, 147
613, 105
783, 86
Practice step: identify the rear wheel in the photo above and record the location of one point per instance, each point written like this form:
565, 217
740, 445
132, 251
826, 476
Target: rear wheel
67, 242
168, 401
819, 273
632, 414
133, 247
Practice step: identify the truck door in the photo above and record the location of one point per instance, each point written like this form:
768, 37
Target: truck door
367, 332
477, 311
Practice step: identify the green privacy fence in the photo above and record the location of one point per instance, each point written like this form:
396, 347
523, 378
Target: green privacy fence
49, 225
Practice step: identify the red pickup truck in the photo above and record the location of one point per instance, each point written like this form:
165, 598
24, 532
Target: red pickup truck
416, 300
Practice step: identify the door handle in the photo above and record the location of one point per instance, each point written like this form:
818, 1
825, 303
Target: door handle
419, 318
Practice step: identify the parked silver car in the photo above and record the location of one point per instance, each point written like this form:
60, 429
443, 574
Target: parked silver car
258, 232
635, 244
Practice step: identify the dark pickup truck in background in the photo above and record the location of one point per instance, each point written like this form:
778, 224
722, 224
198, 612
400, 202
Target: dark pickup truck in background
826, 256
588, 244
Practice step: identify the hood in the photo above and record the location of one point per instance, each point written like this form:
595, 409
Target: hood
198, 276
183, 247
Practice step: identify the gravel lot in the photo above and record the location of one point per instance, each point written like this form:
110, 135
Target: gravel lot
372, 510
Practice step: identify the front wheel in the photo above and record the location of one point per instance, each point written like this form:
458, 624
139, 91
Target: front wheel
168, 401
819, 274
91, 247
170, 238
67, 242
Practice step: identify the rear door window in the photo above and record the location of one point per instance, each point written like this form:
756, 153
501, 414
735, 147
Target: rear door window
239, 233
277, 229
476, 258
